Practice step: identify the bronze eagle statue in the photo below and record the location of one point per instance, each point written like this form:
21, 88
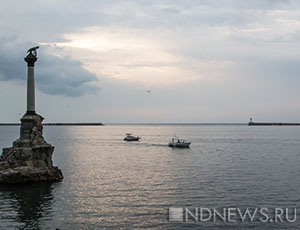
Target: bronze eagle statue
33, 50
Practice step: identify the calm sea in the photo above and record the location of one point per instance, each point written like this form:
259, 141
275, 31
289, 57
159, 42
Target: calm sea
112, 184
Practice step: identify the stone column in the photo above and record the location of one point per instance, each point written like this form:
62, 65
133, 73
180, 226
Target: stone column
30, 157
30, 59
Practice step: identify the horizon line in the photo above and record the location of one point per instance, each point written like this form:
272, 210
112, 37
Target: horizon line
127, 123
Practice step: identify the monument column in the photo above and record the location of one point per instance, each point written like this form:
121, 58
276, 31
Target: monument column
31, 58
30, 157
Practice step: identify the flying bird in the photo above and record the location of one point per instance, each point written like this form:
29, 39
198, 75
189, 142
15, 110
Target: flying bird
148, 91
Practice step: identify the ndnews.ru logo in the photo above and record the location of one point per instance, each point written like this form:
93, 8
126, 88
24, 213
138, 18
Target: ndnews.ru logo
229, 215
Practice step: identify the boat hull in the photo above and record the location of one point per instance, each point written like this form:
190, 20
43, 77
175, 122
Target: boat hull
179, 145
131, 138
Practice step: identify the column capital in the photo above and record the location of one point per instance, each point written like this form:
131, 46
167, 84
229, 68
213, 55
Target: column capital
30, 59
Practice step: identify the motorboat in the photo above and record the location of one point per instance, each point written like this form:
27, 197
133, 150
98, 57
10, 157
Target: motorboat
179, 143
130, 137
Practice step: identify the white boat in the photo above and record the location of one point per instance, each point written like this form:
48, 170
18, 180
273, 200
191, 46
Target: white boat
179, 143
129, 137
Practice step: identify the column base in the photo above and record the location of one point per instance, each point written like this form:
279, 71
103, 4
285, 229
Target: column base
30, 157
30, 113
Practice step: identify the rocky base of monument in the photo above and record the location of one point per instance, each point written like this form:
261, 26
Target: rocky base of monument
30, 158
33, 164
27, 174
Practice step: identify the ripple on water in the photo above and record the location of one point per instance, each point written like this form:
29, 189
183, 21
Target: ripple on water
112, 184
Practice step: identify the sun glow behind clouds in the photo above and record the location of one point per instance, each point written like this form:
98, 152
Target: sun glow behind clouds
135, 55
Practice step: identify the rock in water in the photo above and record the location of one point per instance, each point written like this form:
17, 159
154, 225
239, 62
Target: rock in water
30, 157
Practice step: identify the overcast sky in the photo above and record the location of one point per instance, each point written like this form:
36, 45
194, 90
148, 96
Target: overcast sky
204, 61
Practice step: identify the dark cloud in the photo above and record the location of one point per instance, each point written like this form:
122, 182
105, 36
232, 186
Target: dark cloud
247, 52
61, 18
54, 75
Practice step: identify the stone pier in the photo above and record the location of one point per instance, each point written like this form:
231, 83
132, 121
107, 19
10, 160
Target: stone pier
30, 157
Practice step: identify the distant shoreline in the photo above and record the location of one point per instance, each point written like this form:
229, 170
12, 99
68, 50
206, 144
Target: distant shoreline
101, 124
272, 124
57, 124
157, 124
164, 123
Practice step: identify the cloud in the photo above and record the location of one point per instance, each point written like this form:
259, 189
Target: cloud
204, 60
55, 75
129, 13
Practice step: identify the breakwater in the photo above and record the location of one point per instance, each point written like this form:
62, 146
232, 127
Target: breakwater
272, 124
57, 124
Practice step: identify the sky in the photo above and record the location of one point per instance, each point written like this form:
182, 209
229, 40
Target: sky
121, 61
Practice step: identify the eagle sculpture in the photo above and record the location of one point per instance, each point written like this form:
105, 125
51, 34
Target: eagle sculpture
33, 50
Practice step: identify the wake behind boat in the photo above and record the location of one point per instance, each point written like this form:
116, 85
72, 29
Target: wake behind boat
130, 137
179, 143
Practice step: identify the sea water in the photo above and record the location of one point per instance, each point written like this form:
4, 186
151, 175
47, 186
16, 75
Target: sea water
112, 184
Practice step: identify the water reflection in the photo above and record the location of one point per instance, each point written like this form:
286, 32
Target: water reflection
112, 184
25, 206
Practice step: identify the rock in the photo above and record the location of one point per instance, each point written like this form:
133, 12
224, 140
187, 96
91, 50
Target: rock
24, 174
30, 157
